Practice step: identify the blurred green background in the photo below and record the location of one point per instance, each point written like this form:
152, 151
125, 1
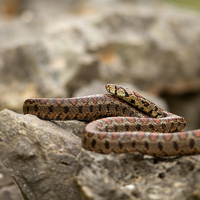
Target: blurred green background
192, 4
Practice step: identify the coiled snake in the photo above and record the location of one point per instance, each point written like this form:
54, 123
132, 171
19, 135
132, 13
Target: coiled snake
128, 123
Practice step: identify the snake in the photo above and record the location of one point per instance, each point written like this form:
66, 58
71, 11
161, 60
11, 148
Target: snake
121, 121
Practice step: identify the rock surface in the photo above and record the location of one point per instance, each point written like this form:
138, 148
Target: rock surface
8, 188
47, 162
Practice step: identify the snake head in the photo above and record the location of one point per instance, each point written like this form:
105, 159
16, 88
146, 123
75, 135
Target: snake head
136, 100
117, 90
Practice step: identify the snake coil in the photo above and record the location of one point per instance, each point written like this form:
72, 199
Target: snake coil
127, 122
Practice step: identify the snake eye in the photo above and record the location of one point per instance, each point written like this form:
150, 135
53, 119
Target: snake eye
120, 92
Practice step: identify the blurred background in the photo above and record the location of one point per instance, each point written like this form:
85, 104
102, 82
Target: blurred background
70, 48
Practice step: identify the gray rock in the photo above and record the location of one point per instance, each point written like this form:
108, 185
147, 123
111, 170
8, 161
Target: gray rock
48, 155
47, 162
10, 193
8, 188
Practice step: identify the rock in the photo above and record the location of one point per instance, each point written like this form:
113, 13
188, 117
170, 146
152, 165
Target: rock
47, 162
10, 193
8, 188
30, 80
48, 155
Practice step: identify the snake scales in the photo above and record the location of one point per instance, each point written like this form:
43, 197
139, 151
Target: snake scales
128, 123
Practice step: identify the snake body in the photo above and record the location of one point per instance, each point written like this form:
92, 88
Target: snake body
128, 123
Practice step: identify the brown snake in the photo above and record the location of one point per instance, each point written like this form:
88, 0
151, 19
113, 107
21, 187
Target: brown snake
142, 126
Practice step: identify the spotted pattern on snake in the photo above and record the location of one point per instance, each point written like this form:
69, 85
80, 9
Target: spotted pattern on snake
122, 121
